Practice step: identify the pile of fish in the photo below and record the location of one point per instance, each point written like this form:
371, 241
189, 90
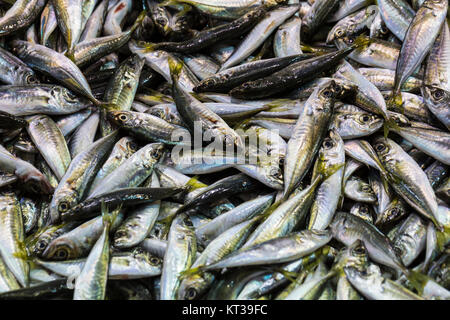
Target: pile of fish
215, 149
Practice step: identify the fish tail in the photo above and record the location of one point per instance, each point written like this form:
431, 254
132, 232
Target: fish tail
139, 20
167, 3
23, 253
193, 183
71, 55
175, 68
418, 280
192, 271
361, 42
107, 217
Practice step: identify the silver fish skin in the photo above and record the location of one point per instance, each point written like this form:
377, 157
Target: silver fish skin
33, 179
50, 141
247, 210
383, 195
139, 221
7, 280
12, 235
116, 17
360, 150
80, 173
410, 238
436, 89
285, 217
287, 38
84, 135
353, 24
78, 242
397, 15
20, 15
368, 96
352, 122
201, 65
122, 150
378, 53
132, 172
407, 178
69, 15
54, 64
87, 8
348, 228
90, 284
157, 60
67, 124
384, 79
331, 154
94, 25
277, 250
308, 133
14, 71
148, 127
433, 142
259, 34
133, 264
372, 285
419, 39
40, 99
179, 256
359, 190
48, 23
347, 7
220, 247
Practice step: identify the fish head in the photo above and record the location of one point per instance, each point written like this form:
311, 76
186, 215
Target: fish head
207, 83
19, 47
121, 118
61, 203
27, 76
62, 96
192, 287
332, 149
436, 98
355, 256
60, 249
35, 182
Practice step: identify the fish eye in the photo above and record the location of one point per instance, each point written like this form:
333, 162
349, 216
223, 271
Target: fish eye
328, 144
188, 222
276, 173
132, 146
365, 118
395, 211
350, 40
31, 79
438, 94
327, 93
191, 293
155, 261
384, 30
123, 117
41, 244
365, 188
339, 32
63, 207
34, 187
61, 253
161, 21
380, 147
155, 154
359, 250
364, 210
